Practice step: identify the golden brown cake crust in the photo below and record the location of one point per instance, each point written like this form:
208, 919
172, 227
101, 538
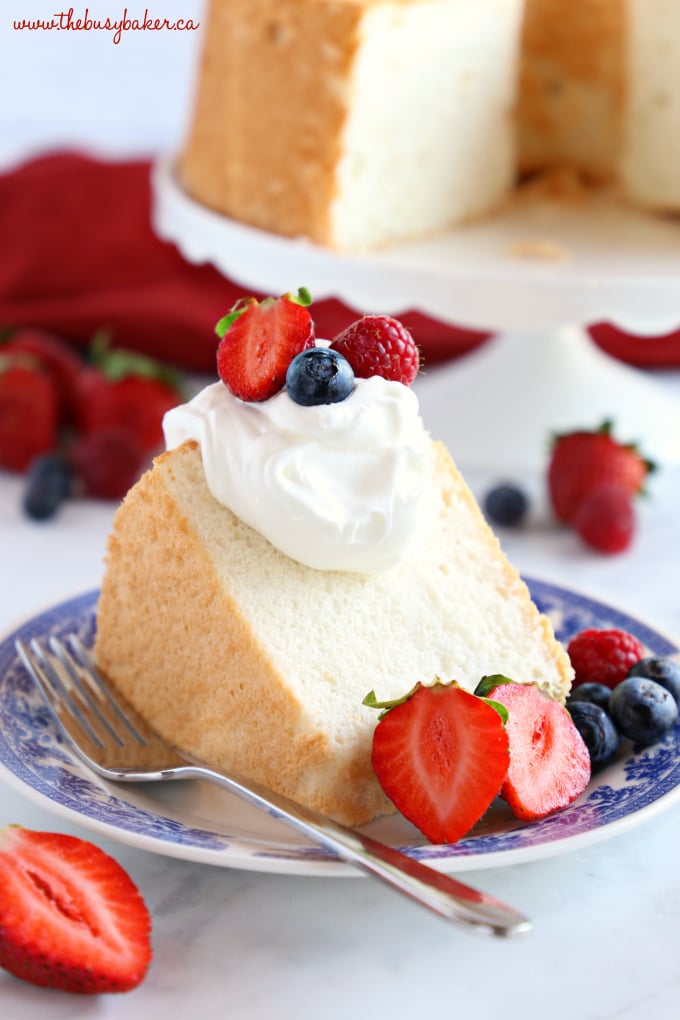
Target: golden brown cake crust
256, 68
220, 699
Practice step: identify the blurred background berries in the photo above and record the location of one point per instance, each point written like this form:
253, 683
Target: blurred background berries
592, 484
79, 426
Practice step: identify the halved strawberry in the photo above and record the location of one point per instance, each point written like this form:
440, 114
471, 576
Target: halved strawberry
70, 916
258, 341
440, 755
549, 761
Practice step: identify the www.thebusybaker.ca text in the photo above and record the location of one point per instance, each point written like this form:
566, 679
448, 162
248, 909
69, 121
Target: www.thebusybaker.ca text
68, 21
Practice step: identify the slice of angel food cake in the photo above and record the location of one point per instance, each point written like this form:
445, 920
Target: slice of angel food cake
301, 542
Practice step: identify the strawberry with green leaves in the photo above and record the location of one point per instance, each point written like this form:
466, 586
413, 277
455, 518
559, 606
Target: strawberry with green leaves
441, 756
258, 341
125, 390
583, 461
70, 916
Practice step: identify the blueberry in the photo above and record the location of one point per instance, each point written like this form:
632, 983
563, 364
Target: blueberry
319, 376
642, 709
597, 694
506, 504
48, 484
664, 671
597, 729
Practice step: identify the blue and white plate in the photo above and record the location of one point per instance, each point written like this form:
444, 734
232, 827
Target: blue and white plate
199, 822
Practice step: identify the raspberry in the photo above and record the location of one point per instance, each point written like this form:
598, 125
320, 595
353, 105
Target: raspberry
603, 656
605, 518
107, 463
379, 345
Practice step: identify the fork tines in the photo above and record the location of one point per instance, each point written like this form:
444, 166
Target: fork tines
71, 685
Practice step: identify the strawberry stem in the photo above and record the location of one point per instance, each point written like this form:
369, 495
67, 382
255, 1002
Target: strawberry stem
605, 429
303, 297
118, 363
501, 709
372, 702
19, 359
488, 683
493, 681
237, 309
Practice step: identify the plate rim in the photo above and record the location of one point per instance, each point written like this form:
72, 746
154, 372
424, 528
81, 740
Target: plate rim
293, 861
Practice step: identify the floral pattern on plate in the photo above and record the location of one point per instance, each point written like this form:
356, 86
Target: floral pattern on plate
34, 758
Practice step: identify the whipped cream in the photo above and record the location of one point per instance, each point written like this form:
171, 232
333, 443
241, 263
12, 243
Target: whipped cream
336, 486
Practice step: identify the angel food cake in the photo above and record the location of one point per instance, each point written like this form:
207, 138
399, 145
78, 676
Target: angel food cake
359, 123
294, 549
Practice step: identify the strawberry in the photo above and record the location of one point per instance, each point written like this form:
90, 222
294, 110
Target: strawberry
549, 761
440, 755
379, 345
581, 461
28, 411
108, 462
123, 389
70, 916
258, 341
605, 518
603, 655
57, 358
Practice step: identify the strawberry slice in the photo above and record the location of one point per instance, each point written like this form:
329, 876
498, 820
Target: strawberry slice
549, 761
440, 755
70, 916
259, 339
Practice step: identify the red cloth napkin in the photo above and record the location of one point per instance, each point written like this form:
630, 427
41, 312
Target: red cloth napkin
78, 254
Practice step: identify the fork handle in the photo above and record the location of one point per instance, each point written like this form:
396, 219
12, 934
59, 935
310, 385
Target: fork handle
443, 894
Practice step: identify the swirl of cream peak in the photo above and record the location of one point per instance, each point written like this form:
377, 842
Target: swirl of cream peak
336, 486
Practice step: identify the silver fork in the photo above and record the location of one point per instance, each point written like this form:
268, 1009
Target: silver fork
117, 744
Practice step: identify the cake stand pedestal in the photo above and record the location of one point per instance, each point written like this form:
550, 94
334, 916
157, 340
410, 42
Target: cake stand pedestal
536, 275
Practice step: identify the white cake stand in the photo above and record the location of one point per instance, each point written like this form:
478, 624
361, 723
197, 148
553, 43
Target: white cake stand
536, 274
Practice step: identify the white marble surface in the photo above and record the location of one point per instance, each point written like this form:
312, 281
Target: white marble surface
253, 946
